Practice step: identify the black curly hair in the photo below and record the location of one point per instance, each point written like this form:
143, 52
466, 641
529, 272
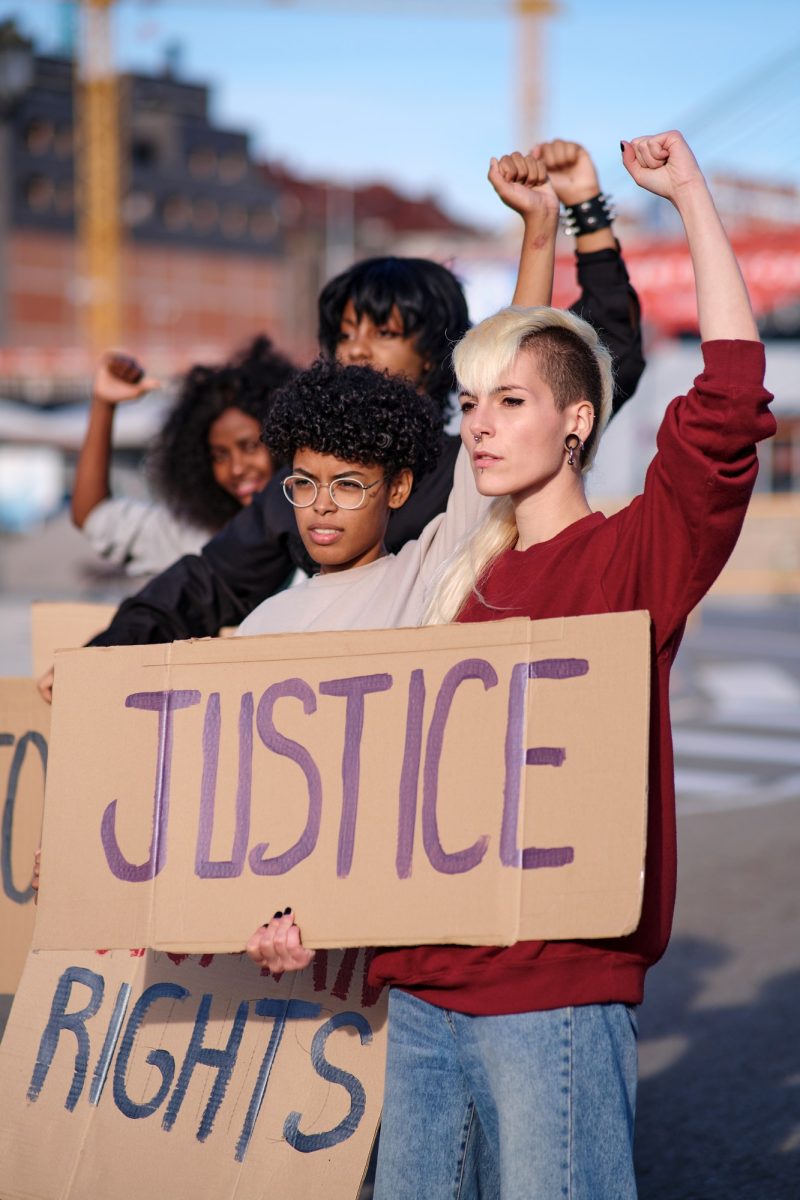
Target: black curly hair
179, 463
428, 297
358, 415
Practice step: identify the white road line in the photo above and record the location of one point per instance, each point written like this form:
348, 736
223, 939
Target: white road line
738, 747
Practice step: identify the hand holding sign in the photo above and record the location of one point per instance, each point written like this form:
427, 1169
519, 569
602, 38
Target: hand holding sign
278, 946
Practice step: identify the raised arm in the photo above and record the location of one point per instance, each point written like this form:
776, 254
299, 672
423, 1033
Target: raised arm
607, 301
664, 164
118, 379
521, 183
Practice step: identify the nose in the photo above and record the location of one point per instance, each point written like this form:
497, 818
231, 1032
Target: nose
237, 464
357, 348
477, 423
323, 503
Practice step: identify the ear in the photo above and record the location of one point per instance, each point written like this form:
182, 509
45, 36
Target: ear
581, 419
398, 489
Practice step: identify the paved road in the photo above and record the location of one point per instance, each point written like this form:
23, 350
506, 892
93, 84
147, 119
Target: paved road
719, 1099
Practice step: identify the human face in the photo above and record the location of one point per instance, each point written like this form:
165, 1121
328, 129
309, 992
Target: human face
240, 462
384, 347
515, 434
340, 538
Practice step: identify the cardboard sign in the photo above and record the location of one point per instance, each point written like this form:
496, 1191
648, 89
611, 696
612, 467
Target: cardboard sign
466, 783
24, 730
56, 626
130, 1075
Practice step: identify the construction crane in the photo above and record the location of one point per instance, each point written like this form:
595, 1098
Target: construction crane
98, 135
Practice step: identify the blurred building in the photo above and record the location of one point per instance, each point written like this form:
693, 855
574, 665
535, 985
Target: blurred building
202, 265
217, 245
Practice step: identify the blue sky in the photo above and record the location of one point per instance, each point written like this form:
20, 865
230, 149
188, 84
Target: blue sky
424, 101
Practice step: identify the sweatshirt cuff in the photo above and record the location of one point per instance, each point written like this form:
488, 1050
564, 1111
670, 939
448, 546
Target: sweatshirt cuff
743, 362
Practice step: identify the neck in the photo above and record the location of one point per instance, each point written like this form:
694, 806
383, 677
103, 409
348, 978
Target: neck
543, 514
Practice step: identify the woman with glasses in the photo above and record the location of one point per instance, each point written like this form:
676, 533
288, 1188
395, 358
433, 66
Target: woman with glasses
357, 441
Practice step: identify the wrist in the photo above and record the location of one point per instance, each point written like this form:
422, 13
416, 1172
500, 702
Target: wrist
589, 216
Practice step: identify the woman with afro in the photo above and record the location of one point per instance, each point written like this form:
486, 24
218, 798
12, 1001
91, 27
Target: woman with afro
207, 463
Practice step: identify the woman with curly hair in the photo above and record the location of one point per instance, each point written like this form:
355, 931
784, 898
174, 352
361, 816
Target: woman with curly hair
357, 442
207, 463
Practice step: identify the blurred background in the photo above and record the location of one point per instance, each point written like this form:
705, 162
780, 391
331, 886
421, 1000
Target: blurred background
176, 177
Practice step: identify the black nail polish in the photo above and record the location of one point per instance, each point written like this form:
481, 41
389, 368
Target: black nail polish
286, 911
622, 147
277, 914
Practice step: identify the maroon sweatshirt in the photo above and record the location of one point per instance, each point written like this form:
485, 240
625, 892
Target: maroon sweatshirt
661, 553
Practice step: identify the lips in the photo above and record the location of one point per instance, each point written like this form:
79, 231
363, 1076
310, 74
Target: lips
324, 535
248, 488
482, 459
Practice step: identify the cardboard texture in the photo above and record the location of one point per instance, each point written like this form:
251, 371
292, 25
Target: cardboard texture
128, 1075
24, 732
469, 783
58, 626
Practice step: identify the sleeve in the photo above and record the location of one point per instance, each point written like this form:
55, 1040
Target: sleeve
676, 537
609, 302
247, 561
140, 535
427, 500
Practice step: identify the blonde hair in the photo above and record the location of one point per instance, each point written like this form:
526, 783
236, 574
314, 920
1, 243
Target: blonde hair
576, 365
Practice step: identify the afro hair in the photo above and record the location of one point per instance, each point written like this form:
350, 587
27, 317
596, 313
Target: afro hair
179, 463
357, 415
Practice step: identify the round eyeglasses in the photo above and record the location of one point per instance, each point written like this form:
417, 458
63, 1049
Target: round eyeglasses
301, 491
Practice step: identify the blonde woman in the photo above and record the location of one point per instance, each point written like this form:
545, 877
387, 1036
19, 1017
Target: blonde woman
512, 1072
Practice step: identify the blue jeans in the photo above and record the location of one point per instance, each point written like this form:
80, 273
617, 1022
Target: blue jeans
531, 1106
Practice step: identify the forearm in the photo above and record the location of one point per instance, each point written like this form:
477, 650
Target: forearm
609, 302
536, 262
723, 305
92, 472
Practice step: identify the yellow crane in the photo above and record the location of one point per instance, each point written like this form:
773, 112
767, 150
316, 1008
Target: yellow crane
98, 140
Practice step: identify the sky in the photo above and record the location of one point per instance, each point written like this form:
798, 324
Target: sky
359, 90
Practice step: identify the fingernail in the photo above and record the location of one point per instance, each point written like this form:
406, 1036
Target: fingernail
286, 911
622, 147
277, 914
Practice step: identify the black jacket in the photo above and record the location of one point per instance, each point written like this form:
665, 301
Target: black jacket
258, 551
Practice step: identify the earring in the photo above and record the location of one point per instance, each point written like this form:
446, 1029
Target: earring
572, 443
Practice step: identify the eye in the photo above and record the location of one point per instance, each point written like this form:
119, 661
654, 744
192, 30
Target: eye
385, 332
217, 455
303, 487
251, 447
348, 485
513, 401
467, 406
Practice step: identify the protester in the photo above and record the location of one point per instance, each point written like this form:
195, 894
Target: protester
511, 1072
206, 464
400, 315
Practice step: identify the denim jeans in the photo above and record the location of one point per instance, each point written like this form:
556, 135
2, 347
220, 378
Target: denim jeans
532, 1106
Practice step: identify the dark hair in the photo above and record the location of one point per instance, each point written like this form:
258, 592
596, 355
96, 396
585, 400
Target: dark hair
179, 461
569, 368
358, 415
430, 301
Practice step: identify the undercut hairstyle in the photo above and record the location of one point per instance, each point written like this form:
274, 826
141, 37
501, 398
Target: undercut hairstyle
179, 463
428, 297
357, 415
575, 365
570, 357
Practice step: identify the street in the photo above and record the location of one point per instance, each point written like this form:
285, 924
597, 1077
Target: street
719, 1099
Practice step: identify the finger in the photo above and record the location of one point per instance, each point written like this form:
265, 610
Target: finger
508, 168
520, 165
